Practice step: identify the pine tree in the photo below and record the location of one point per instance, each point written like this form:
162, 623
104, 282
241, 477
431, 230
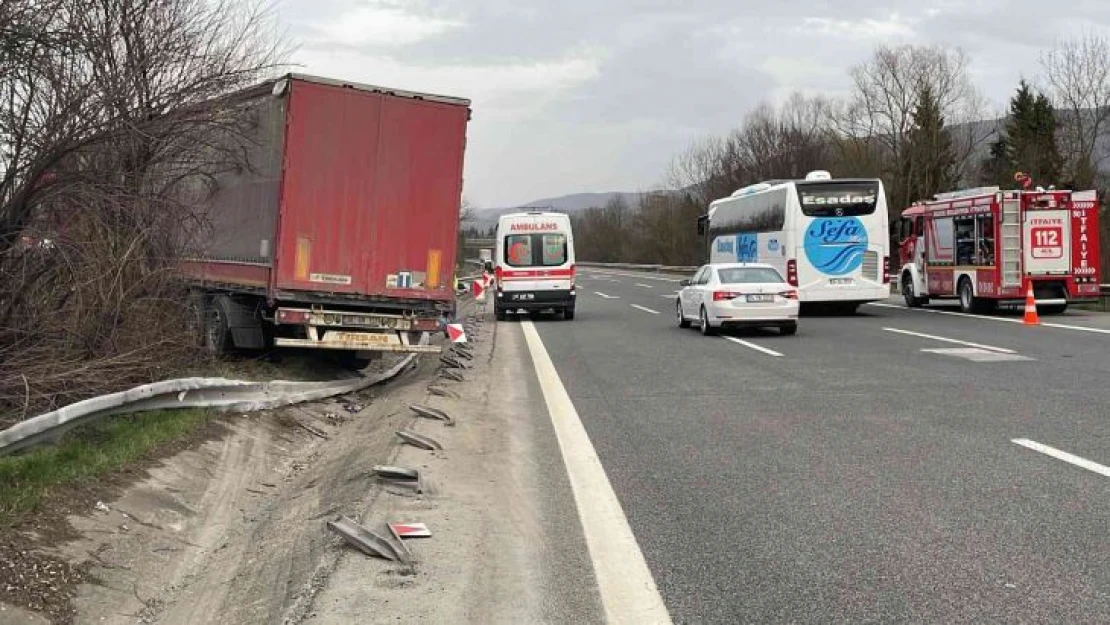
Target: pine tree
930, 158
1027, 142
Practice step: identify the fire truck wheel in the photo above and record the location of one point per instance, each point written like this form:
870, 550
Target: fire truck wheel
1055, 309
907, 293
968, 302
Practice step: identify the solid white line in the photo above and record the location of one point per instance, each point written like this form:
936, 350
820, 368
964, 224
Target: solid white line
934, 311
608, 296
757, 348
627, 588
638, 307
1001, 350
1063, 455
646, 286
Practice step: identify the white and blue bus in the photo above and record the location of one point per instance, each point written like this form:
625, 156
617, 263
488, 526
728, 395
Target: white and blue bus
828, 237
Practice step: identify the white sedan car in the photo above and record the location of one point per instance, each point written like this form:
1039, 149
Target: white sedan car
725, 295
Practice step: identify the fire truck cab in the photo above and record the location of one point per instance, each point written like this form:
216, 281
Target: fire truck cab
985, 246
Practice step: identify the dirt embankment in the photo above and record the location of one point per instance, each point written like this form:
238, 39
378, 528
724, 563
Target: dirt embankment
234, 530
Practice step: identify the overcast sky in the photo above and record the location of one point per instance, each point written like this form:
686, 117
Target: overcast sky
598, 95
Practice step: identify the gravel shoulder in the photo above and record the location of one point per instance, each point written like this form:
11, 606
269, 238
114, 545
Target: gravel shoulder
232, 528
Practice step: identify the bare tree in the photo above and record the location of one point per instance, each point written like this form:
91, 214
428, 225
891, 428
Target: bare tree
880, 112
114, 117
1077, 72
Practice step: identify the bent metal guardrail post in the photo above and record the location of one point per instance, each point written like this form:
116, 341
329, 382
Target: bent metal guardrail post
218, 394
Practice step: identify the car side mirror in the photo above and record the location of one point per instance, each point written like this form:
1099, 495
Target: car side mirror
684, 282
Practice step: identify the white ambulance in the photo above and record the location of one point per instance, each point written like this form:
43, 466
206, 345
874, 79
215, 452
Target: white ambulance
534, 264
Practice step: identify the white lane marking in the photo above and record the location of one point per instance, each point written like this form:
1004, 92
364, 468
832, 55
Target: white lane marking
1063, 455
644, 286
934, 311
1001, 350
627, 589
654, 312
634, 275
975, 354
607, 296
757, 348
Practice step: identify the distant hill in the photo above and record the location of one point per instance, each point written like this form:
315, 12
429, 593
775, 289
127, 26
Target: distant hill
485, 218
985, 131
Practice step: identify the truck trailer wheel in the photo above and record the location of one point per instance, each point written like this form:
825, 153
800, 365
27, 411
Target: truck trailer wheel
217, 334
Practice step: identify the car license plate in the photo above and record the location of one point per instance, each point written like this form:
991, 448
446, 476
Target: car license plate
841, 281
523, 296
761, 298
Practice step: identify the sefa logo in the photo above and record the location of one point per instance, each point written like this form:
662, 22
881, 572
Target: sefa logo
835, 245
747, 248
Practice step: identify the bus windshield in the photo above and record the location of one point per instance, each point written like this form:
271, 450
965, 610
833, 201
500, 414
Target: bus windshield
838, 199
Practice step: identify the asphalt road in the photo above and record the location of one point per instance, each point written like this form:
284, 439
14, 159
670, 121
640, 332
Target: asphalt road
853, 477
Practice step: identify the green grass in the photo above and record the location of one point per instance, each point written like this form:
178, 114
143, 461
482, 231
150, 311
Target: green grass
86, 454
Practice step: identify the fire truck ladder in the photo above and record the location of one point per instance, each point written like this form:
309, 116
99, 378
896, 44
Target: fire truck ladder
1011, 243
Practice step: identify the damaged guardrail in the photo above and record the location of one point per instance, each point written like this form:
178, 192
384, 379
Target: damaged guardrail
220, 394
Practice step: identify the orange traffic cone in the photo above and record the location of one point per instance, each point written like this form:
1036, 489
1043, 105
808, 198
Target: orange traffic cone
1031, 318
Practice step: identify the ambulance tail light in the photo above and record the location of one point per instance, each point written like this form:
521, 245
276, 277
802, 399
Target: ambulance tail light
573, 275
792, 272
886, 270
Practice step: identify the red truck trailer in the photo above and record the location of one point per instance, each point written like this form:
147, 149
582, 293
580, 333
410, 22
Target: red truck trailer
986, 246
342, 232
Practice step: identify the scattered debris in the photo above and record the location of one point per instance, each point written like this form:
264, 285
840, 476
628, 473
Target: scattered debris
311, 430
353, 408
402, 475
409, 530
400, 541
100, 505
418, 440
366, 541
442, 392
432, 413
452, 362
452, 374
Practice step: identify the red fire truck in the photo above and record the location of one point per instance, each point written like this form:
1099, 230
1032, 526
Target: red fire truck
984, 246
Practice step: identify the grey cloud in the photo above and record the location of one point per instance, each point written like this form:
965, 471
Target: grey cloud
670, 71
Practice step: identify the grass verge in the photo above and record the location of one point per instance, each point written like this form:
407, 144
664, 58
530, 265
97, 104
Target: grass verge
88, 453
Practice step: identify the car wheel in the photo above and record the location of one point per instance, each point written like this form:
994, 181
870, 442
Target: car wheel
789, 330
683, 322
568, 313
706, 329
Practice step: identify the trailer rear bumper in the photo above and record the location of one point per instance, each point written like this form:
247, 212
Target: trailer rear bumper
358, 346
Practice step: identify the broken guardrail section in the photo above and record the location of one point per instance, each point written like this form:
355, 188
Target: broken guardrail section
432, 413
368, 542
418, 440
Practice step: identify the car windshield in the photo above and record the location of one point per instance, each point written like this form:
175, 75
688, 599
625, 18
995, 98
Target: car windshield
748, 275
